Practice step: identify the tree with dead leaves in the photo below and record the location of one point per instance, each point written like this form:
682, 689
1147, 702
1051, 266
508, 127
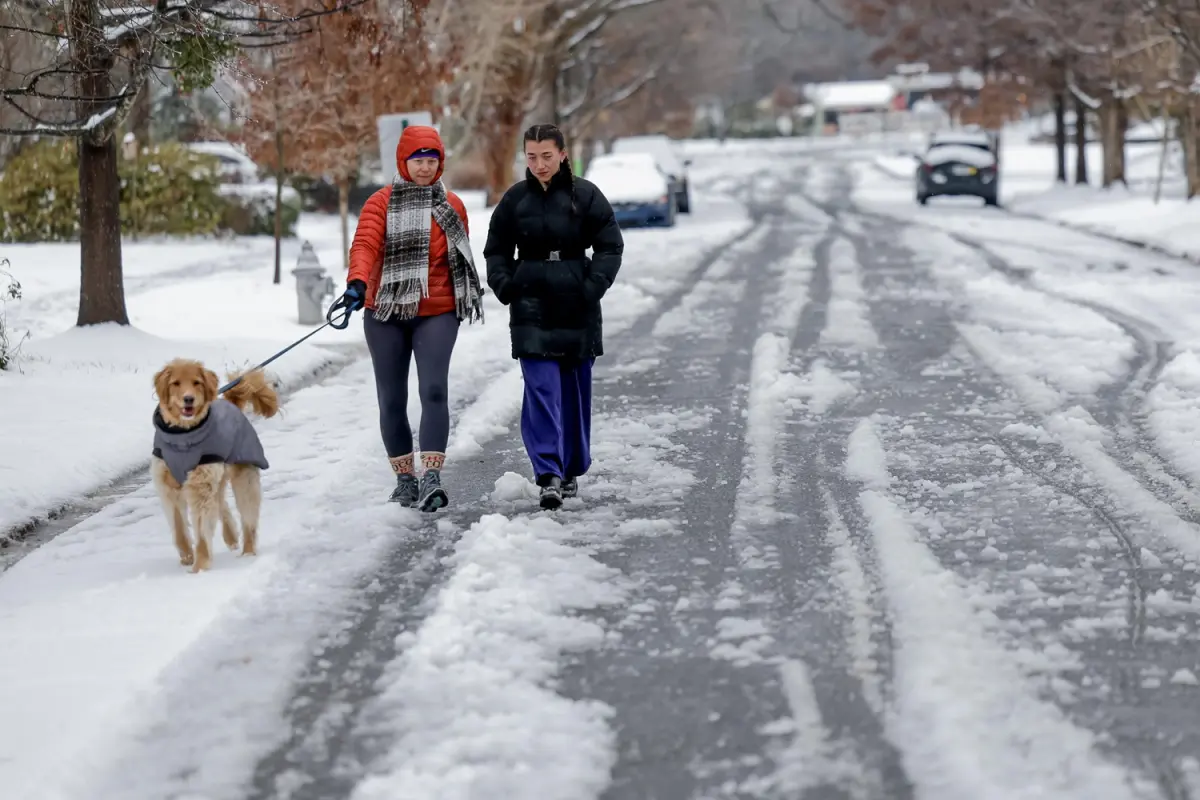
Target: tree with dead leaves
316, 114
94, 59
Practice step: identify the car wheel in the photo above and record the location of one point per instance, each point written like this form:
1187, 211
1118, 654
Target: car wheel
923, 199
991, 200
685, 201
669, 222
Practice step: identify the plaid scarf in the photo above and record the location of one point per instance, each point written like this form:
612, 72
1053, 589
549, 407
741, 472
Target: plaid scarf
405, 278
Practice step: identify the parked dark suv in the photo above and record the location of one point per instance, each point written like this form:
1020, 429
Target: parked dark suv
959, 163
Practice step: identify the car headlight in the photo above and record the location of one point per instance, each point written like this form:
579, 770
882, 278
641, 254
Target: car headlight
939, 177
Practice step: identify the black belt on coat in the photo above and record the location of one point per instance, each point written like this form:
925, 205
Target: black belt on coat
553, 255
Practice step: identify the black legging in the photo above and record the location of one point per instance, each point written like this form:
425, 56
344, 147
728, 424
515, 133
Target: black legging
393, 344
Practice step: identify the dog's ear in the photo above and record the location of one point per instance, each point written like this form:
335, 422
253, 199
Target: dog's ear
162, 385
211, 384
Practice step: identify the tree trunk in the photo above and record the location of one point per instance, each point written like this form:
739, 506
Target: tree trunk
279, 171
1115, 118
1081, 164
1191, 150
343, 187
278, 228
498, 143
1060, 135
101, 279
546, 110
139, 115
1119, 155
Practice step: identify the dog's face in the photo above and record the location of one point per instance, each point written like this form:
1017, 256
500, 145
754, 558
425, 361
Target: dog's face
185, 391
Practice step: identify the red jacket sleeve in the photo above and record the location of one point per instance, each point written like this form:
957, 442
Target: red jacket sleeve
457, 204
366, 252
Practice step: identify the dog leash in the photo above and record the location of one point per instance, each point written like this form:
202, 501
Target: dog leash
337, 323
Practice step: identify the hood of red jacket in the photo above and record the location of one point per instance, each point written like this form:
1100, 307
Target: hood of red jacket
419, 137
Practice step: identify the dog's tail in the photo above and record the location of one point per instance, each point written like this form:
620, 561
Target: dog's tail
254, 389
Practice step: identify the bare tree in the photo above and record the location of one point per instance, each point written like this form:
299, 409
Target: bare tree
86, 82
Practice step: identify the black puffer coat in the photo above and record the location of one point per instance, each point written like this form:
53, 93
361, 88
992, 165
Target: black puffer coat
554, 305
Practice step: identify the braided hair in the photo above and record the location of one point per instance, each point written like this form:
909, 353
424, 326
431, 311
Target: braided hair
546, 132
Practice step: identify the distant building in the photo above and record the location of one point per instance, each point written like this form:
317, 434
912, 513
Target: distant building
864, 101
915, 82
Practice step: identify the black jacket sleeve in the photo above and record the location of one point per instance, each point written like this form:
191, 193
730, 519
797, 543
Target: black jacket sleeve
604, 236
501, 248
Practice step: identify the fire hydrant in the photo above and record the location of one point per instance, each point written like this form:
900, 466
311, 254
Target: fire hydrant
313, 286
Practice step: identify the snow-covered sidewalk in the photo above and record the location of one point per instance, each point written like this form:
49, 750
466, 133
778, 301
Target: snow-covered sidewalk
78, 401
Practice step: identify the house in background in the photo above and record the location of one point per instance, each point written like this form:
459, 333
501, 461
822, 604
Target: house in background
914, 82
851, 106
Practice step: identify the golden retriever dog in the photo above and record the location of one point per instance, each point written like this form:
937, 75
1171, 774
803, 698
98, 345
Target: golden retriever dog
204, 443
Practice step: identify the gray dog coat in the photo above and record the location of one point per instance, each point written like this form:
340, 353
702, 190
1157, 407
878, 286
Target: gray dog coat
225, 436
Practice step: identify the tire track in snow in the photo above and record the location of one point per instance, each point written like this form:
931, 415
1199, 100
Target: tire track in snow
1119, 405
1133, 706
690, 688
974, 725
781, 570
840, 626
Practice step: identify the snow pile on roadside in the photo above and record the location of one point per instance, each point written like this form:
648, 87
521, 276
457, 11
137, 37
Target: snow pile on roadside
965, 714
1171, 225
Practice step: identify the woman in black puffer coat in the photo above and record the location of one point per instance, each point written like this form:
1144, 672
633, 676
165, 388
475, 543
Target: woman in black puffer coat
537, 266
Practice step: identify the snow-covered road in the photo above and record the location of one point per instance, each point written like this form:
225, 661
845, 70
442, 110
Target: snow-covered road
888, 503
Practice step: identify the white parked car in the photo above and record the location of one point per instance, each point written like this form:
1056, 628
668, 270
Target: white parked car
636, 187
236, 166
666, 153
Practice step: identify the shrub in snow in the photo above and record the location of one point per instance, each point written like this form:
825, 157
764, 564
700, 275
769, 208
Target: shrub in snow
167, 190
250, 210
10, 289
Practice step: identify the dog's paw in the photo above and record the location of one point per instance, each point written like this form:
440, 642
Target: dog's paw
187, 559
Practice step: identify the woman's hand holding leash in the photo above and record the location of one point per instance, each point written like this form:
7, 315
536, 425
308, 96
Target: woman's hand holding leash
354, 298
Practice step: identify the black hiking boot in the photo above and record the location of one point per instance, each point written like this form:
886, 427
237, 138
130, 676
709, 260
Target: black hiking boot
570, 488
433, 496
551, 495
406, 491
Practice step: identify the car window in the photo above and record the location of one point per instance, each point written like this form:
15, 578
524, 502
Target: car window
976, 145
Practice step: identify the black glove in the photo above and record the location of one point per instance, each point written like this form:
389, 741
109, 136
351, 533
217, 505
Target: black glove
354, 298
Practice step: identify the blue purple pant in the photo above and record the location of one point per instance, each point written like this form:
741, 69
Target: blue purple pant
556, 416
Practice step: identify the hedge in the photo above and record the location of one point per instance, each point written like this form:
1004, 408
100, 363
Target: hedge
167, 190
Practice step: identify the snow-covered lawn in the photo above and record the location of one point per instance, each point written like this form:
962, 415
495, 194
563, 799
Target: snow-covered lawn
105, 635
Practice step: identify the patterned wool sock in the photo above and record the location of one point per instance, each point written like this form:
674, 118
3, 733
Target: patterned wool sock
402, 465
433, 460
